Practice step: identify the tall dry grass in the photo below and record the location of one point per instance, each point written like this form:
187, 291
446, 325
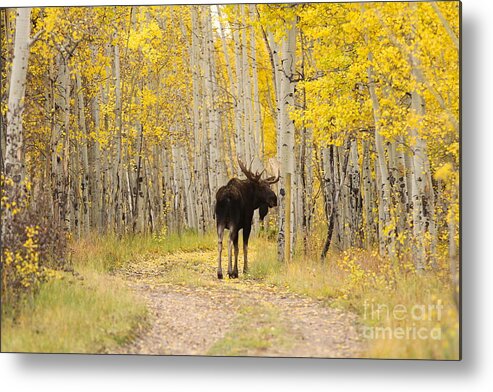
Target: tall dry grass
403, 313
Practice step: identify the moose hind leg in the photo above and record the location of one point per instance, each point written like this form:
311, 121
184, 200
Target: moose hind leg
230, 251
220, 233
235, 243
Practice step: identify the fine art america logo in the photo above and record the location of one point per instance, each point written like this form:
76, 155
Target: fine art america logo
416, 322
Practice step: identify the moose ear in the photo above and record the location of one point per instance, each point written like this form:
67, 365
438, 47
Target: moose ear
263, 210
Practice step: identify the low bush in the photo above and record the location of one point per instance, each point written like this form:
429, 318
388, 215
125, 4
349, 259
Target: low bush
34, 245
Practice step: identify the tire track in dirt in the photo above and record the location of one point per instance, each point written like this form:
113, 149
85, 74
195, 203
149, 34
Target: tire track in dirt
188, 320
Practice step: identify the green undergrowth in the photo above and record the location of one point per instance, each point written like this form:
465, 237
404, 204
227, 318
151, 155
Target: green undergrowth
256, 330
92, 310
93, 313
111, 252
88, 311
358, 281
403, 314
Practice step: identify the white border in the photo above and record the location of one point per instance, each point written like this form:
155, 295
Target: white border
94, 373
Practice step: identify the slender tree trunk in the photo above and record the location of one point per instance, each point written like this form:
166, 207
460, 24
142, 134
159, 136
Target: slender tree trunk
213, 111
233, 94
117, 172
368, 199
241, 148
354, 210
95, 177
5, 68
14, 165
339, 183
286, 72
419, 197
256, 115
385, 229
86, 175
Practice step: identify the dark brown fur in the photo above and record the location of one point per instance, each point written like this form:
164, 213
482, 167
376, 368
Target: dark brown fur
235, 205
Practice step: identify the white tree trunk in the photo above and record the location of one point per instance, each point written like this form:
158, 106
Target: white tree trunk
213, 111
286, 132
241, 148
250, 150
233, 93
386, 236
256, 115
178, 190
117, 172
420, 165
14, 166
86, 175
368, 199
97, 183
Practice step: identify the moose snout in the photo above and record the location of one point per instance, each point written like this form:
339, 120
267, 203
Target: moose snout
273, 202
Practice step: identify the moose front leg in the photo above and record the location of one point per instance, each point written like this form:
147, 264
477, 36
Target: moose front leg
246, 236
234, 242
220, 233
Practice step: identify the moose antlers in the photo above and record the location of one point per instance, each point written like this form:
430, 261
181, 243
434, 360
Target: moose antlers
248, 172
273, 179
256, 177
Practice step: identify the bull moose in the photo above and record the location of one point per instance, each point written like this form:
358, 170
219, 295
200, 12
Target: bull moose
235, 204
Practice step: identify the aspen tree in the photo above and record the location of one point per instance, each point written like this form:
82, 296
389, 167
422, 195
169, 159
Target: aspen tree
14, 167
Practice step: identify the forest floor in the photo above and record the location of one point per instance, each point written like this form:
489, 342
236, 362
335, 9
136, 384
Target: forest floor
191, 312
160, 295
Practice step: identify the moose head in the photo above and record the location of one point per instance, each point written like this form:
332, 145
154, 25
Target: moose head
264, 197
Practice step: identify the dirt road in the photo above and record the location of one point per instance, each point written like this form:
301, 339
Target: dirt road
193, 313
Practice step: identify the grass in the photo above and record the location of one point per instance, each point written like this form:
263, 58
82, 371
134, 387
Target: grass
96, 312
93, 315
255, 330
99, 313
193, 269
355, 281
109, 252
303, 275
386, 297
